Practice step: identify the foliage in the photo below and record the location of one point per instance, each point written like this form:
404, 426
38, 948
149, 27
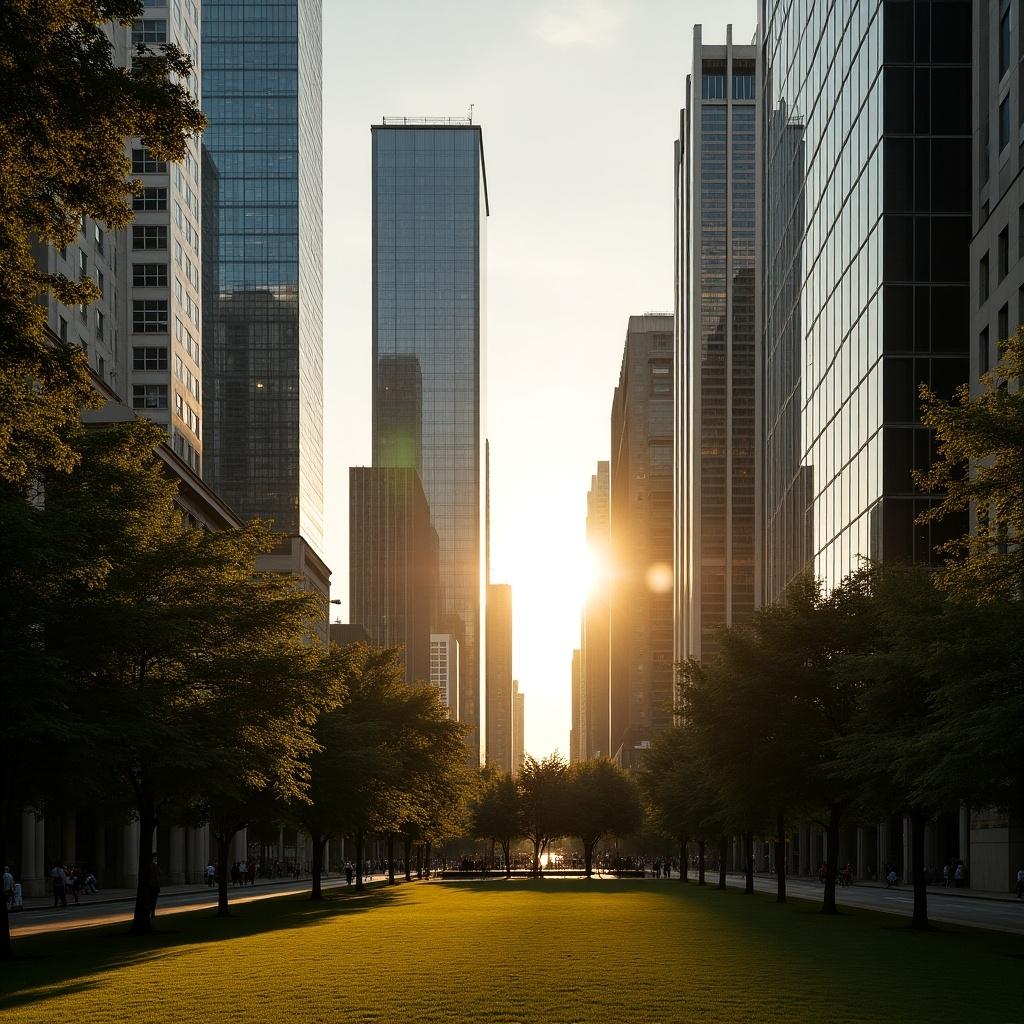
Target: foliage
980, 465
542, 799
601, 800
67, 113
497, 813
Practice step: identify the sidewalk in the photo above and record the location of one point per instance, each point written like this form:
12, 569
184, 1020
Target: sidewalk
124, 895
933, 890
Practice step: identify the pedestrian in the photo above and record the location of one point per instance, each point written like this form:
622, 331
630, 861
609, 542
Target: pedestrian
90, 886
348, 872
1020, 882
8, 887
891, 879
946, 873
60, 881
959, 874
236, 873
153, 885
75, 881
211, 874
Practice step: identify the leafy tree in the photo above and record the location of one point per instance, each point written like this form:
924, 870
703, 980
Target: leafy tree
497, 814
600, 800
542, 799
168, 653
67, 113
980, 465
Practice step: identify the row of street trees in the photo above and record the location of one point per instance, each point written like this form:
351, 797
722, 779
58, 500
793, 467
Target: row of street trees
591, 801
148, 661
900, 691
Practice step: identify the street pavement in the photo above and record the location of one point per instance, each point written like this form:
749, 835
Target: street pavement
999, 914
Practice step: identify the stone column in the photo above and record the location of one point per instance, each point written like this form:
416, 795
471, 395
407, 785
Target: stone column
99, 867
280, 846
859, 865
240, 845
31, 872
175, 873
67, 838
965, 834
129, 877
906, 848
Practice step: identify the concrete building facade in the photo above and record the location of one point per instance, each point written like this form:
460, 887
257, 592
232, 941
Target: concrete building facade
519, 727
640, 532
500, 700
444, 670
595, 730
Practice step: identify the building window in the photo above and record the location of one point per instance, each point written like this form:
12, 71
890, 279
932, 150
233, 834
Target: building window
1004, 124
983, 351
712, 80
149, 357
98, 235
149, 316
1003, 324
100, 282
83, 262
983, 279
62, 329
661, 378
1004, 37
152, 197
1003, 253
149, 30
149, 275
101, 366
100, 324
743, 80
143, 163
149, 396
149, 236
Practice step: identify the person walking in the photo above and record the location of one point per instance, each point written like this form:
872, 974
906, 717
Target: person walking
153, 885
60, 884
211, 874
8, 887
1020, 882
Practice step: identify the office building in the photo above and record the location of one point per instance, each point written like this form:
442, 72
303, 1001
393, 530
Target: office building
577, 729
444, 670
262, 283
866, 179
345, 633
715, 422
594, 668
640, 539
429, 219
500, 702
519, 727
392, 562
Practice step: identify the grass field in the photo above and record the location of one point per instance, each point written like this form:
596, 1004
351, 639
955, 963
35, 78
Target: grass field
554, 951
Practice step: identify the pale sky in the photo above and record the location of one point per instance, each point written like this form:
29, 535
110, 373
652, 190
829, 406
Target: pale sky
579, 104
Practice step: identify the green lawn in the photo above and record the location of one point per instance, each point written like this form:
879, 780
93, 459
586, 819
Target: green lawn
552, 951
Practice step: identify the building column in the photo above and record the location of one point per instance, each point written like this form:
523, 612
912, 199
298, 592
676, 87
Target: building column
859, 866
67, 838
280, 846
99, 847
129, 855
33, 856
906, 848
964, 834
240, 845
175, 874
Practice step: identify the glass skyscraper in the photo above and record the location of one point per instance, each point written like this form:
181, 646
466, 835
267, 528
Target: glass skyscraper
867, 226
262, 276
429, 219
716, 357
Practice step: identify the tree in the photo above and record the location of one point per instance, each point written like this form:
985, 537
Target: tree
67, 114
979, 464
541, 786
497, 814
600, 800
167, 654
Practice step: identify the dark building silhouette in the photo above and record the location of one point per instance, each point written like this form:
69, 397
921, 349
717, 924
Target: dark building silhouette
344, 633
594, 668
500, 701
393, 562
640, 526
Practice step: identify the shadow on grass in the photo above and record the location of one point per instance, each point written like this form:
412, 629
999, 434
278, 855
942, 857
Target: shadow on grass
65, 962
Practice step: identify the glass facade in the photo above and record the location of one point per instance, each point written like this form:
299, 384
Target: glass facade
867, 147
716, 421
262, 242
429, 216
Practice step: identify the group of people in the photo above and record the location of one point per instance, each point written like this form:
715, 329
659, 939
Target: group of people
72, 879
954, 874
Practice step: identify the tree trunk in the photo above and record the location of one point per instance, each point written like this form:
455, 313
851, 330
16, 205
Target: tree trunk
6, 949
588, 857
391, 860
359, 861
536, 858
419, 860
407, 855
723, 860
223, 844
700, 861
317, 839
428, 847
780, 857
748, 867
506, 850
920, 882
828, 905
684, 864
141, 921
492, 853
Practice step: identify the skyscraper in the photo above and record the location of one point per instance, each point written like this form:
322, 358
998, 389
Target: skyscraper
594, 694
444, 670
640, 525
519, 727
866, 182
577, 746
500, 702
262, 284
715, 423
392, 562
429, 217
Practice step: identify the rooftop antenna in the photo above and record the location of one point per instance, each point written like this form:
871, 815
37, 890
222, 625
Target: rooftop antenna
471, 106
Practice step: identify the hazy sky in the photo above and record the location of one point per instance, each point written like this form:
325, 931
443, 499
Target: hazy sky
579, 104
